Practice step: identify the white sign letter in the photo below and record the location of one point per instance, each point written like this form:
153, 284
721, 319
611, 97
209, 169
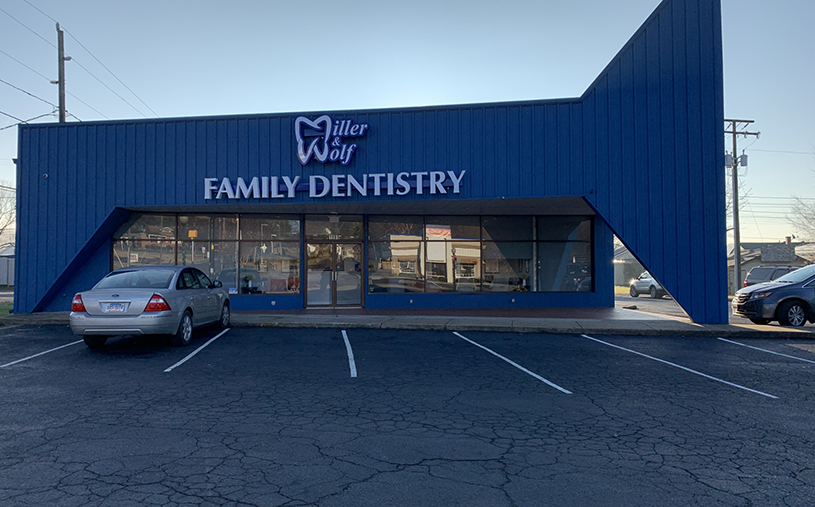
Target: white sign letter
456, 181
312, 186
209, 186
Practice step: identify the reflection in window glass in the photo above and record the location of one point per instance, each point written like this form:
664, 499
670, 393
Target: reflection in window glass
395, 266
564, 266
269, 267
453, 266
507, 266
507, 228
127, 253
148, 226
394, 228
560, 228
452, 227
194, 228
333, 227
259, 227
194, 253
224, 264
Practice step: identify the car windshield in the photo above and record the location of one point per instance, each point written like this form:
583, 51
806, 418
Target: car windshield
799, 275
136, 279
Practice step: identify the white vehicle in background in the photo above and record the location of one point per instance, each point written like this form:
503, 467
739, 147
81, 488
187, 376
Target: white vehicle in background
646, 284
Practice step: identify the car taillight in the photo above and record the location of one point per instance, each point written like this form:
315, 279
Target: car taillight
77, 305
157, 304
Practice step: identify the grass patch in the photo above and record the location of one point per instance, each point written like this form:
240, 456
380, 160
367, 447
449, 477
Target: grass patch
621, 291
5, 308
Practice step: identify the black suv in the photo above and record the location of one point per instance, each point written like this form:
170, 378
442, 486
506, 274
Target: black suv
761, 274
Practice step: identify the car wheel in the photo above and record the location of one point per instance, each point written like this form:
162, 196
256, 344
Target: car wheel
760, 322
223, 322
655, 294
791, 313
95, 342
633, 292
183, 336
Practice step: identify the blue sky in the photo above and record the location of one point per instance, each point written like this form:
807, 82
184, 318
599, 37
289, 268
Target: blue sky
202, 57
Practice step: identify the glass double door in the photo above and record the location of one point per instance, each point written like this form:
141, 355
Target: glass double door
334, 274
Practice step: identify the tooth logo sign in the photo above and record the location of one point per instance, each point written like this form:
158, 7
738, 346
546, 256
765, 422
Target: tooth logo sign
324, 139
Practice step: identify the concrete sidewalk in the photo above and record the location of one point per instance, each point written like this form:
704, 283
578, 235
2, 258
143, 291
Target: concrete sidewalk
594, 321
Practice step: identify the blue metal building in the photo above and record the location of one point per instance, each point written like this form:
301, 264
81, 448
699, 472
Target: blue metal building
484, 205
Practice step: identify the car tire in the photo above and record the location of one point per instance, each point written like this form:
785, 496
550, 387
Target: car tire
760, 322
183, 335
633, 292
655, 294
792, 313
95, 342
226, 316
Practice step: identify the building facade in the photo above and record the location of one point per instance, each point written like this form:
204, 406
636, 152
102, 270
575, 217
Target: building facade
485, 205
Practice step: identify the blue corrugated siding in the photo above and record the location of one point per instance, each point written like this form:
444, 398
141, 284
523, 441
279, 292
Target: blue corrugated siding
644, 145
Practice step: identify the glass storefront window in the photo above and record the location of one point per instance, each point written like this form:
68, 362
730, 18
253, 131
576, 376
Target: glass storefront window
443, 228
395, 266
507, 266
568, 228
564, 266
395, 228
269, 267
506, 228
147, 226
194, 253
271, 227
127, 253
195, 228
453, 266
223, 264
334, 227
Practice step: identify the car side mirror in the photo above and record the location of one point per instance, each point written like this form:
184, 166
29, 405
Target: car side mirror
217, 284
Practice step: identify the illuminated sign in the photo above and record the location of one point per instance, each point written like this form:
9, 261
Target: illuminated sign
327, 140
324, 139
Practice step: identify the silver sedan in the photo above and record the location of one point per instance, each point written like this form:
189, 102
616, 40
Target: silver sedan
168, 300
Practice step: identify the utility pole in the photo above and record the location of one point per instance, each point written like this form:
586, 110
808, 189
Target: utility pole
61, 59
733, 161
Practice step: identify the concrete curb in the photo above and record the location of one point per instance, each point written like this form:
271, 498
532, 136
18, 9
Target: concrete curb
642, 327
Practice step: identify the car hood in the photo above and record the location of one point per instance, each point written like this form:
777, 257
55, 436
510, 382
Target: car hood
765, 286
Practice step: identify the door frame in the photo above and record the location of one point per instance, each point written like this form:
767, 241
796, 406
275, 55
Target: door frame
333, 243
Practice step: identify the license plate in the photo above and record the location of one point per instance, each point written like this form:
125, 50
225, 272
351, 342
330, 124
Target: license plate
116, 307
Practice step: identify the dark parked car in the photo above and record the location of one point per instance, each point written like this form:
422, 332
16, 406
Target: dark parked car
790, 299
760, 274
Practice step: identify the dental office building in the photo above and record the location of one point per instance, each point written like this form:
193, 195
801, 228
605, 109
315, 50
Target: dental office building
467, 206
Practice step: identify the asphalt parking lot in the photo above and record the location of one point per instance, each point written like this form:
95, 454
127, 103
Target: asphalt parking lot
271, 416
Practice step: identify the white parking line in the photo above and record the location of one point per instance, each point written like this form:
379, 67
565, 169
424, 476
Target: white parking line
681, 367
351, 362
767, 351
199, 349
513, 363
41, 353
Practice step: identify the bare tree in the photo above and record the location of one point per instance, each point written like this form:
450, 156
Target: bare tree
802, 217
8, 213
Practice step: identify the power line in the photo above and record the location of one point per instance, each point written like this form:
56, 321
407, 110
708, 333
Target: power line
27, 93
114, 75
26, 66
13, 117
27, 28
783, 151
24, 121
99, 62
